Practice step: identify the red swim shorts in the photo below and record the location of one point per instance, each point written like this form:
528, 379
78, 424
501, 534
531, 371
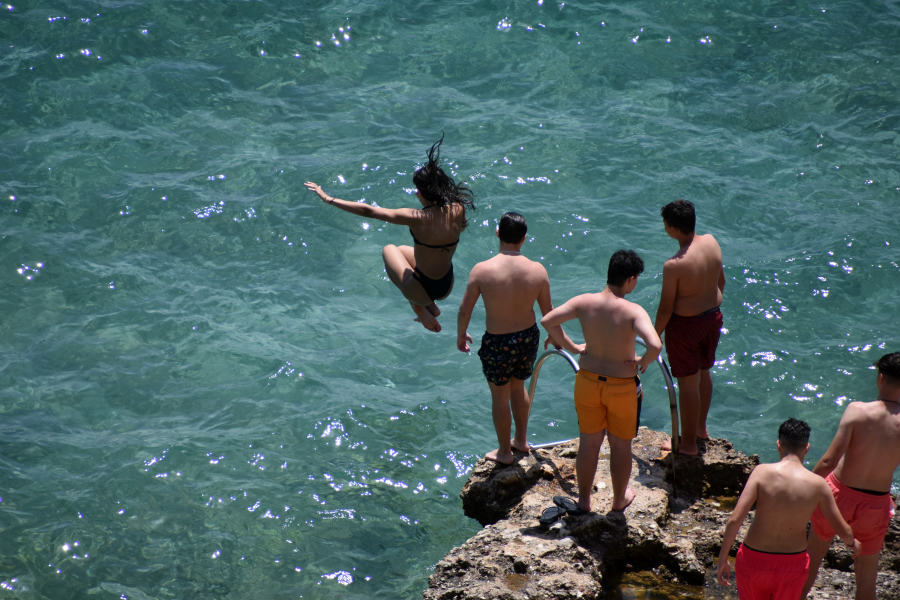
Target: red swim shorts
868, 515
761, 575
691, 342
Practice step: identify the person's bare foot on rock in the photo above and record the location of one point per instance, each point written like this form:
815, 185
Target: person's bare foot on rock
667, 447
503, 459
630, 495
523, 447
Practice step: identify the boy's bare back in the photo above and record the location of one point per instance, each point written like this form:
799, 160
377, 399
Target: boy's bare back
610, 324
693, 275
870, 435
509, 284
786, 496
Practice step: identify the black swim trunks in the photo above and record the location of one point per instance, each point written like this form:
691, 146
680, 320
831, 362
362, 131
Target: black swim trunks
509, 354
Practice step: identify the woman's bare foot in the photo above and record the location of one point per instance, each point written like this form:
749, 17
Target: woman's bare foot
427, 319
433, 309
523, 447
630, 495
503, 459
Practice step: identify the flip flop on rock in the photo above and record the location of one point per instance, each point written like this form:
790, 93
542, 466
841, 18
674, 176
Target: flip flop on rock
551, 514
569, 506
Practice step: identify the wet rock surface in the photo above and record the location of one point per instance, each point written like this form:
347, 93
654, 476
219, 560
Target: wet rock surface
666, 541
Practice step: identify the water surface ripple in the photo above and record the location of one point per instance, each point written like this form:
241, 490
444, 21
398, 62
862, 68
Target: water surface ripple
208, 387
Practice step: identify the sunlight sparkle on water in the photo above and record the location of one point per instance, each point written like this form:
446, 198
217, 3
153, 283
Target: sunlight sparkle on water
342, 577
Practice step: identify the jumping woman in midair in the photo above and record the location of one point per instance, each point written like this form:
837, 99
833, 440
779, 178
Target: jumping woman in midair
423, 271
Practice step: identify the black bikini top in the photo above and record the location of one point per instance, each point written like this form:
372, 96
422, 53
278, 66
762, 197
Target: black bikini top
443, 247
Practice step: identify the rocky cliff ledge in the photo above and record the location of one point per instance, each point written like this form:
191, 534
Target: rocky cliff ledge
667, 540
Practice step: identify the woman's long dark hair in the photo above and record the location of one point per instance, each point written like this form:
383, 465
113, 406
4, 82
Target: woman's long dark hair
438, 187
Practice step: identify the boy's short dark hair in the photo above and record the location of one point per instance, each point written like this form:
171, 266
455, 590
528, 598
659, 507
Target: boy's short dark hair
794, 435
889, 366
512, 228
622, 265
680, 215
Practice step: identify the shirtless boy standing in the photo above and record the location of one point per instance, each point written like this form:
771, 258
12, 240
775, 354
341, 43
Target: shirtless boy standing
859, 466
772, 562
509, 284
607, 388
693, 281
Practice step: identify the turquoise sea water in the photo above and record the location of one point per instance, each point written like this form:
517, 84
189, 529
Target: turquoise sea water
208, 388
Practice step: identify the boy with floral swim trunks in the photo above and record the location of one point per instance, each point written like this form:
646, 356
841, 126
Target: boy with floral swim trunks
772, 561
510, 284
859, 467
688, 313
607, 388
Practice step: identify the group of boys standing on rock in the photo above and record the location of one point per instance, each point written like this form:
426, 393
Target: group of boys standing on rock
853, 500
848, 492
608, 390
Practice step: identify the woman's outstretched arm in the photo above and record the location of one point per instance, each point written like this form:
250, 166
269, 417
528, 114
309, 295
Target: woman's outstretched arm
400, 216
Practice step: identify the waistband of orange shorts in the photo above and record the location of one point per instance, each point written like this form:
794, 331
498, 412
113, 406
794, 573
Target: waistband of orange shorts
606, 378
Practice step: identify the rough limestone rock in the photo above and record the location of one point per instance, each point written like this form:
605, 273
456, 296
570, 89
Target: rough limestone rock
667, 541
720, 470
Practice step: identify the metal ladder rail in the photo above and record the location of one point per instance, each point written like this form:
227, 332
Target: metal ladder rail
670, 388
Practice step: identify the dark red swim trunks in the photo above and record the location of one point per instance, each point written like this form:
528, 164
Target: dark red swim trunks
691, 342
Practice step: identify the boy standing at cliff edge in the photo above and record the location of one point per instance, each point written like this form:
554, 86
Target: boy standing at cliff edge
772, 561
693, 281
607, 388
859, 467
510, 284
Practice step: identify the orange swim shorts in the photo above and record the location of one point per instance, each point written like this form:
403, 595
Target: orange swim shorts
868, 515
610, 403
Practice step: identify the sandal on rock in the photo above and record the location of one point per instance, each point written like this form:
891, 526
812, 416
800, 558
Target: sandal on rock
570, 506
551, 514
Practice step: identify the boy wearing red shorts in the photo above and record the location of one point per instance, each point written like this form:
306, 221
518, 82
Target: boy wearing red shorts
772, 562
688, 313
859, 466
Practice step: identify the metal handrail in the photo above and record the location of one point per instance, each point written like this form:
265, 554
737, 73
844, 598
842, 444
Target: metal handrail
534, 377
670, 387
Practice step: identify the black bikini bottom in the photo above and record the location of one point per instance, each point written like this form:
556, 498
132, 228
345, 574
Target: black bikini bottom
435, 288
